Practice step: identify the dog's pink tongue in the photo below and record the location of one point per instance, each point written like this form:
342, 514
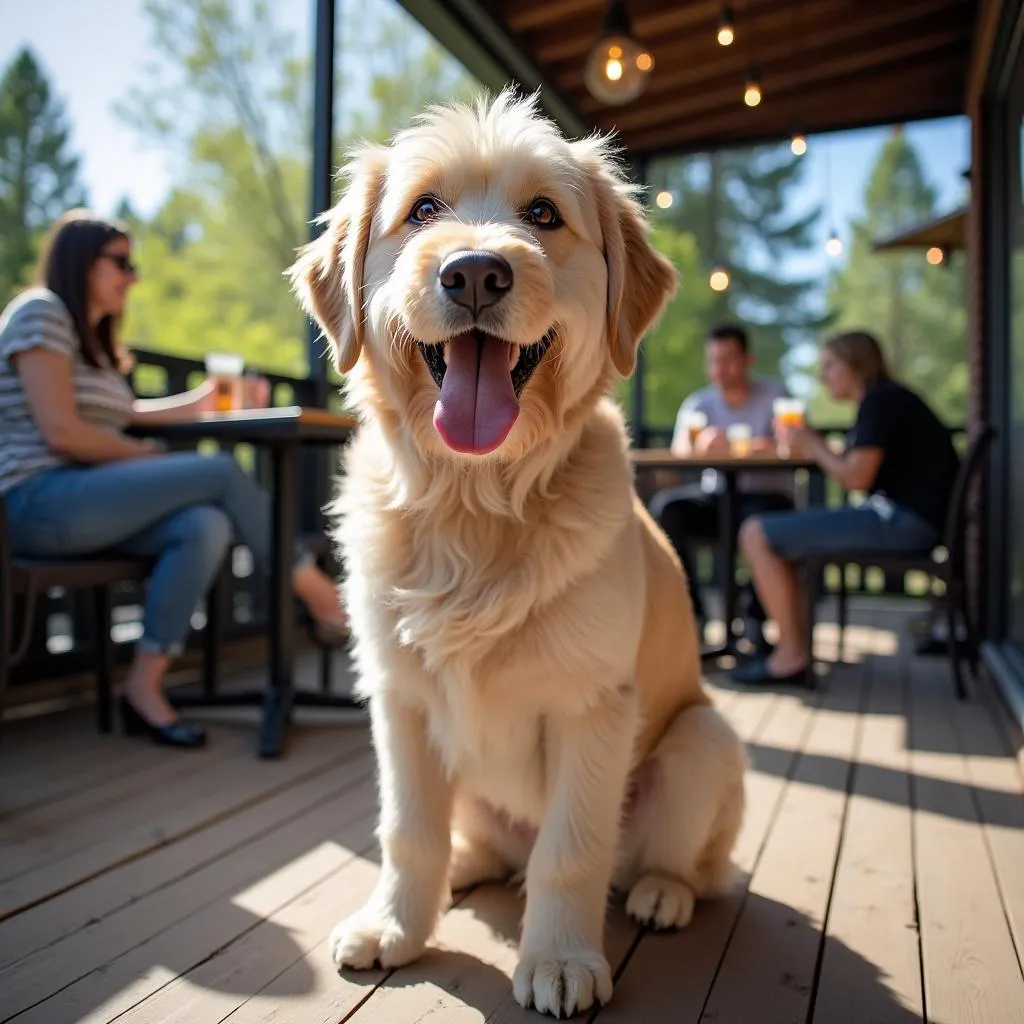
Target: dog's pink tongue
477, 406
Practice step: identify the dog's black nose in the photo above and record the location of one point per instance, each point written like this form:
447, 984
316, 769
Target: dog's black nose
475, 279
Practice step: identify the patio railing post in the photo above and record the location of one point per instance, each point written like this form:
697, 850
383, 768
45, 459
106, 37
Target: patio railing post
638, 412
316, 466
323, 161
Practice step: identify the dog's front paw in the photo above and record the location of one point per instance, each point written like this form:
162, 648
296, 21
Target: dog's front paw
562, 983
661, 902
371, 937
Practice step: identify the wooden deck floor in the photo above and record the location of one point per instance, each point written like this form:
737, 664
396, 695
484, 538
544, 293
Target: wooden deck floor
883, 857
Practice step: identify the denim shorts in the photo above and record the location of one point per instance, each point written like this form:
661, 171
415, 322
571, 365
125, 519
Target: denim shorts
877, 525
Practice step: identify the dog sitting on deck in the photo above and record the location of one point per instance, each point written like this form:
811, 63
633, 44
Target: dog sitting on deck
523, 631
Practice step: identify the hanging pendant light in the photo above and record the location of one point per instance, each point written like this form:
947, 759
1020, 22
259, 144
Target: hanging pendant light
618, 68
834, 245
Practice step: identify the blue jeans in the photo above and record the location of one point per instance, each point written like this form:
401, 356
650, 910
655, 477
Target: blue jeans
181, 510
868, 527
690, 513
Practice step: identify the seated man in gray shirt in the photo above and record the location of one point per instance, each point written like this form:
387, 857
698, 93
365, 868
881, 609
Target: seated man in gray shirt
690, 513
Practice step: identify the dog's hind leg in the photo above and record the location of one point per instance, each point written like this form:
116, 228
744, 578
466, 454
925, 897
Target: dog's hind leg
473, 862
693, 814
486, 845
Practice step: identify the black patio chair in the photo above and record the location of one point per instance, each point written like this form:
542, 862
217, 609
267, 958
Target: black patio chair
28, 578
946, 563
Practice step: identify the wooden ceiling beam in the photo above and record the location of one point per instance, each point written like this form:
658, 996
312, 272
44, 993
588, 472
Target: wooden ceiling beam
524, 17
772, 26
783, 78
674, 71
900, 96
653, 20
986, 32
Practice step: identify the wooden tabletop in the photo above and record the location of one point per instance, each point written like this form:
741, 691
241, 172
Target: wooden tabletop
281, 423
663, 458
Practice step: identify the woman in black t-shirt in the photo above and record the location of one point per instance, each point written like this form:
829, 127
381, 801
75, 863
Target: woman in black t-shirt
898, 453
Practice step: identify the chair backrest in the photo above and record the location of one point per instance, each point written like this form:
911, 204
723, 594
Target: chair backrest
970, 469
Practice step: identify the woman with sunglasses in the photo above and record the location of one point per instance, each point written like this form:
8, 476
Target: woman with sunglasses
74, 483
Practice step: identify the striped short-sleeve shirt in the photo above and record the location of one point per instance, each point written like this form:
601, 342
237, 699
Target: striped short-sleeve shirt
39, 319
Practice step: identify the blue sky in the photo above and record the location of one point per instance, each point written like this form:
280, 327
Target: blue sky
846, 158
94, 50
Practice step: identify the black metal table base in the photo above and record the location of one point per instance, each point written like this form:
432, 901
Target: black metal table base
728, 650
284, 432
277, 707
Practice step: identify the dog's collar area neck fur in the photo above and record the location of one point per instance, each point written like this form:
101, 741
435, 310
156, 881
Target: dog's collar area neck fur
528, 361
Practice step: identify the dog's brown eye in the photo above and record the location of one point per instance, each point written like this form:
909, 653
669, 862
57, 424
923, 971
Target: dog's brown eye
424, 210
542, 213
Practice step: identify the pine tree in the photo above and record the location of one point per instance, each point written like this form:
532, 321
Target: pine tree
736, 205
917, 310
38, 175
232, 91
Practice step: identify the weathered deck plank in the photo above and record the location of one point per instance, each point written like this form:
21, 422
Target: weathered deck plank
971, 969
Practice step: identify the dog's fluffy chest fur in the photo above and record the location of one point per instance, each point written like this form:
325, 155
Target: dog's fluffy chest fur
501, 620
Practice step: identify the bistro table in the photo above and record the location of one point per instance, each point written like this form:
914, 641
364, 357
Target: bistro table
283, 432
728, 467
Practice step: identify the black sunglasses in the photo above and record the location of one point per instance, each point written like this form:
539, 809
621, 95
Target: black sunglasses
122, 261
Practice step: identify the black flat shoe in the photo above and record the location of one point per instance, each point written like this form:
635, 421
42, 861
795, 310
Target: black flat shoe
755, 673
176, 734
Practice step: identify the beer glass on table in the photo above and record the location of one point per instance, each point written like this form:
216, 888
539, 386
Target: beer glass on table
694, 422
740, 438
789, 413
225, 372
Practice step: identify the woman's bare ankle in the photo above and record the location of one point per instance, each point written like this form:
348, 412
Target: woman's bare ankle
785, 661
320, 595
143, 689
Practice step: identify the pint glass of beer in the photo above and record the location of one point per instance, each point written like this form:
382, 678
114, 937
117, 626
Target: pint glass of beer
788, 412
225, 372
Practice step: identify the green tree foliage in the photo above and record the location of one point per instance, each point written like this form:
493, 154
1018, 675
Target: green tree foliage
230, 99
39, 177
734, 207
674, 349
917, 310
389, 68
737, 205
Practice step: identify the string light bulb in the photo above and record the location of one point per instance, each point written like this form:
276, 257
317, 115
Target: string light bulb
664, 199
834, 245
752, 94
726, 27
798, 144
719, 278
935, 256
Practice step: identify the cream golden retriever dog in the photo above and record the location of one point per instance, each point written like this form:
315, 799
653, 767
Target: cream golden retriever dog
523, 630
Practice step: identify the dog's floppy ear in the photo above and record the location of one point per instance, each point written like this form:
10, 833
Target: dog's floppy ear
640, 280
328, 275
